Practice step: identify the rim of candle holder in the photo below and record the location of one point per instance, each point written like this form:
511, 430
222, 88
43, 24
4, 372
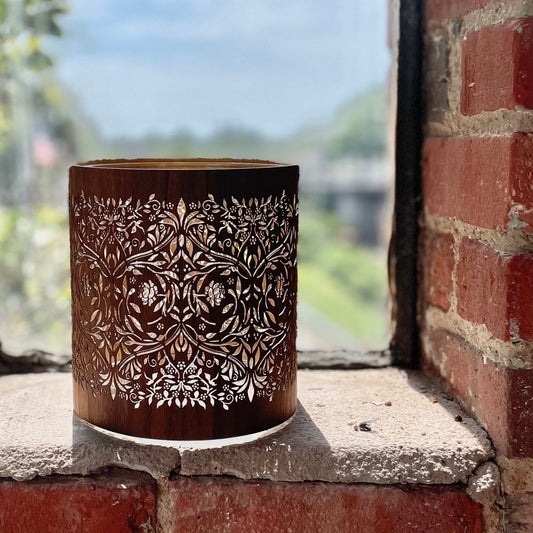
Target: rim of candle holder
200, 164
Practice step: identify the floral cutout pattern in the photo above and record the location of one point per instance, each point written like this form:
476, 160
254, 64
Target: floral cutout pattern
184, 304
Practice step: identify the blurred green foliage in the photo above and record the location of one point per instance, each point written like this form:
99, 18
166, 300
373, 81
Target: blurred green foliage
34, 275
23, 23
324, 241
35, 279
346, 282
360, 128
29, 96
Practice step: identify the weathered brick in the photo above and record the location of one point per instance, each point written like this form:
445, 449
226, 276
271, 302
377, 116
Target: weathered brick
520, 296
516, 474
521, 180
495, 290
479, 385
520, 399
497, 67
482, 287
484, 181
519, 513
438, 263
500, 398
231, 505
439, 10
113, 502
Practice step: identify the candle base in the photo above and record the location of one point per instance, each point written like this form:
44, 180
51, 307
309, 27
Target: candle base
189, 444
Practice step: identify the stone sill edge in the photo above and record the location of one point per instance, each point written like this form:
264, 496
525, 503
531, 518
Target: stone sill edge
412, 441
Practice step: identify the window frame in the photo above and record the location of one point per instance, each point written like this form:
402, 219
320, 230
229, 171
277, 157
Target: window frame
408, 135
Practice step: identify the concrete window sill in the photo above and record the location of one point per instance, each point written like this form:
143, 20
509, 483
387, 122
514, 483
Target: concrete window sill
412, 440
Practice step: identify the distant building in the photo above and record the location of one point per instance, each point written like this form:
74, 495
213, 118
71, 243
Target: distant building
354, 188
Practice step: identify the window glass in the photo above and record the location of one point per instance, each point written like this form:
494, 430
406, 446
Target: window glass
302, 82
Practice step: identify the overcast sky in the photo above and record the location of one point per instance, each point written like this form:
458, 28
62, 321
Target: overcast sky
139, 66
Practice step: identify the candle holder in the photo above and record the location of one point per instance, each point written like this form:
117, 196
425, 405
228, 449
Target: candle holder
184, 295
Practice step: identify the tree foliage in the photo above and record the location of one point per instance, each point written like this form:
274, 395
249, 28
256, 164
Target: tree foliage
361, 126
34, 301
35, 281
345, 282
26, 93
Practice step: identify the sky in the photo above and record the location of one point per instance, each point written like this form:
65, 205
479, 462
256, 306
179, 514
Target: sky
161, 66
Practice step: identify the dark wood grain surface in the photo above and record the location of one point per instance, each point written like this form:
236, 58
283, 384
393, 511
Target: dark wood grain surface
184, 296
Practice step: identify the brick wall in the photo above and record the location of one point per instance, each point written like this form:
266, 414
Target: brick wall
476, 250
120, 502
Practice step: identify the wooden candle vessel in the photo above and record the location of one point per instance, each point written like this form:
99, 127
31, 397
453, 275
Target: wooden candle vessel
184, 295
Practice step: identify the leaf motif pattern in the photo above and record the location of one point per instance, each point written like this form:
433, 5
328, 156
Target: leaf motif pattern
184, 304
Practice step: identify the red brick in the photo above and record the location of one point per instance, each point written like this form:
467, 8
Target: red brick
499, 397
523, 74
451, 9
479, 385
484, 181
438, 263
521, 182
520, 394
498, 67
482, 287
221, 504
520, 296
495, 290
114, 502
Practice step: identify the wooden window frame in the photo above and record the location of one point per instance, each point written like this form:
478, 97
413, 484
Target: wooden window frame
403, 247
